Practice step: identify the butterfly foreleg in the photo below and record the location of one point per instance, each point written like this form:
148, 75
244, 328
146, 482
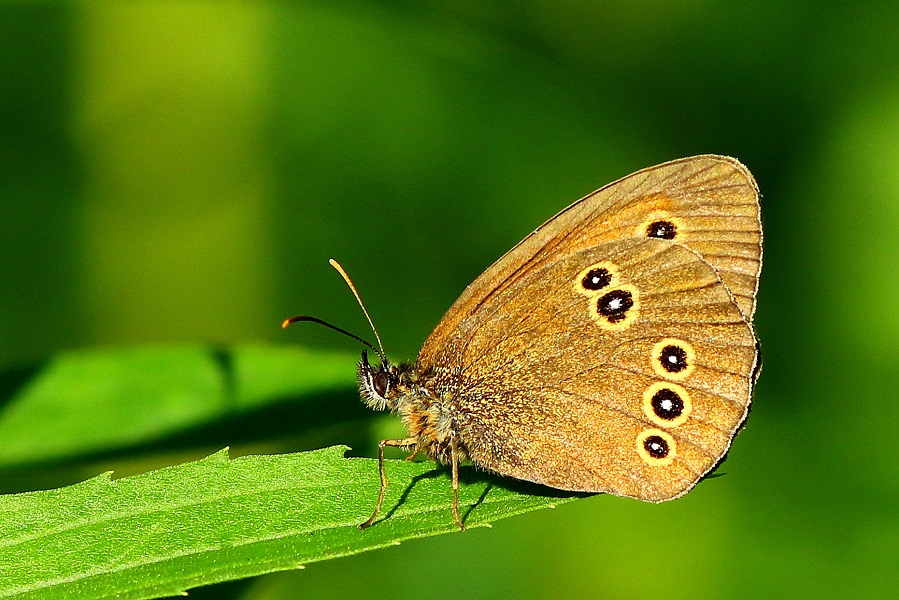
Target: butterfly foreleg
454, 460
403, 443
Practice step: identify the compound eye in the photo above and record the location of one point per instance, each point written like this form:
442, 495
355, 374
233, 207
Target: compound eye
380, 382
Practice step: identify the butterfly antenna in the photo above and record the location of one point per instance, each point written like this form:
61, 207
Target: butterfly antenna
329, 326
381, 354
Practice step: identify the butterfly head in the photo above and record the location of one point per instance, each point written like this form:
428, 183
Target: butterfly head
378, 384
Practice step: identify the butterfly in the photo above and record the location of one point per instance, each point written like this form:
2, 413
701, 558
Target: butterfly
612, 350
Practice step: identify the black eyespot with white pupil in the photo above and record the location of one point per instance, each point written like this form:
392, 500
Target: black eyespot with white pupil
656, 446
665, 230
380, 382
615, 304
596, 279
673, 359
667, 405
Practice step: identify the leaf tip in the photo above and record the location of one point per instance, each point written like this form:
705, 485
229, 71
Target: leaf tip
220, 455
339, 450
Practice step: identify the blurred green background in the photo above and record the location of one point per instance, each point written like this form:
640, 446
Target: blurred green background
181, 172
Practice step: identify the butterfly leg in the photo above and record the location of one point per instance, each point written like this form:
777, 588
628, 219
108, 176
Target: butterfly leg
454, 459
404, 443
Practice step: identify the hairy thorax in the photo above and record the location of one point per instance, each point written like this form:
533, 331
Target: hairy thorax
431, 418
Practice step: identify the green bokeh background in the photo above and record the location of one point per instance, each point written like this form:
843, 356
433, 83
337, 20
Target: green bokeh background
180, 172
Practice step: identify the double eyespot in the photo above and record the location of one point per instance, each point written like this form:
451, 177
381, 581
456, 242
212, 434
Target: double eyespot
665, 403
612, 304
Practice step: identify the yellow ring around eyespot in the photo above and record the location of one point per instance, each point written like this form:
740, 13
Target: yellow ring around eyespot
658, 215
656, 359
680, 391
647, 457
614, 278
629, 317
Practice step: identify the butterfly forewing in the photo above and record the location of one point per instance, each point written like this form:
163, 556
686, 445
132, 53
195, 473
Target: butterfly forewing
612, 349
714, 197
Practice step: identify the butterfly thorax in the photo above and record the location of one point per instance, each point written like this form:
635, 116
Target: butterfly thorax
430, 418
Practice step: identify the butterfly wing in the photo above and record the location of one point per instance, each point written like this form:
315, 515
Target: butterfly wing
612, 350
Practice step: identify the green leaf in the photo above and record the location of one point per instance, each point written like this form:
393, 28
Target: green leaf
216, 519
90, 401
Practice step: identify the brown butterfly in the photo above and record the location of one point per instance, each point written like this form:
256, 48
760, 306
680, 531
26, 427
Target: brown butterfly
612, 350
